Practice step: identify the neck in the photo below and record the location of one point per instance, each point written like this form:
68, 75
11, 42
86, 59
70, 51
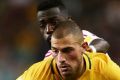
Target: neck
82, 69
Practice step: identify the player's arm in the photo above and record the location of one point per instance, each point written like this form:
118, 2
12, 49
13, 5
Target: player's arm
96, 43
100, 45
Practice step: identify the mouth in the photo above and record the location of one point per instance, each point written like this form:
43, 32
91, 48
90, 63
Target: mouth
65, 69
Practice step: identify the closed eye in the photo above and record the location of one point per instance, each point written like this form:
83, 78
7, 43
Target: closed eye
42, 24
55, 50
67, 49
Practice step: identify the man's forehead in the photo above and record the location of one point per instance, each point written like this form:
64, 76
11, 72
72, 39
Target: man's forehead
49, 13
65, 40
62, 43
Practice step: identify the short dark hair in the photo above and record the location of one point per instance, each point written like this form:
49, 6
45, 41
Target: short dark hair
65, 28
47, 4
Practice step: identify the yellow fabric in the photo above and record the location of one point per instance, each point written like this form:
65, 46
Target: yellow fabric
88, 39
102, 68
38, 71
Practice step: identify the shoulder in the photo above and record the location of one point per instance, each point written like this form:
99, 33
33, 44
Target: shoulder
102, 64
99, 58
42, 64
37, 70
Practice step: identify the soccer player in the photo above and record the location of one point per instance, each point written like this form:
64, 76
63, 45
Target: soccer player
70, 61
51, 12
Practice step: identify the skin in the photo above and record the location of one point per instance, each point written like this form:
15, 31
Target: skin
69, 57
48, 20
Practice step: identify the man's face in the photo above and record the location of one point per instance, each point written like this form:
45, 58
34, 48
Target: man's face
68, 54
48, 20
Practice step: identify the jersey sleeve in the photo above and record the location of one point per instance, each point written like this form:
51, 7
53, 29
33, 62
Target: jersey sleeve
112, 70
89, 37
38, 71
106, 67
30, 73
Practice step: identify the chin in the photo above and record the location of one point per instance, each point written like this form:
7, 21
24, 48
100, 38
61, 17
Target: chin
66, 75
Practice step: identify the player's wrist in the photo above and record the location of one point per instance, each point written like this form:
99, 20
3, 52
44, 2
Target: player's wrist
93, 48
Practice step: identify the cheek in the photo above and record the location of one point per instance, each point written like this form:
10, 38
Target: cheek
73, 55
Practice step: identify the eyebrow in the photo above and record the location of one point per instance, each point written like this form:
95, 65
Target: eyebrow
63, 49
66, 49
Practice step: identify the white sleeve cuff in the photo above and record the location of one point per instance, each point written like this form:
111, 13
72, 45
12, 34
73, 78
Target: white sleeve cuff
93, 48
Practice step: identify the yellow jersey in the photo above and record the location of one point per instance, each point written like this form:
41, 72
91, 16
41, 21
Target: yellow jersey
98, 67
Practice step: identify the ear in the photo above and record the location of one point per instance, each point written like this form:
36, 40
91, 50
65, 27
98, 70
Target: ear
86, 47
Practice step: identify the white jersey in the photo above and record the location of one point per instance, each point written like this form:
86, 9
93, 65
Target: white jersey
89, 37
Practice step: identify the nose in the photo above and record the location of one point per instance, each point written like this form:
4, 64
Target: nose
49, 28
61, 58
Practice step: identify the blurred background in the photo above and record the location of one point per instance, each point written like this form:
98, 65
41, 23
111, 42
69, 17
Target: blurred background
22, 44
